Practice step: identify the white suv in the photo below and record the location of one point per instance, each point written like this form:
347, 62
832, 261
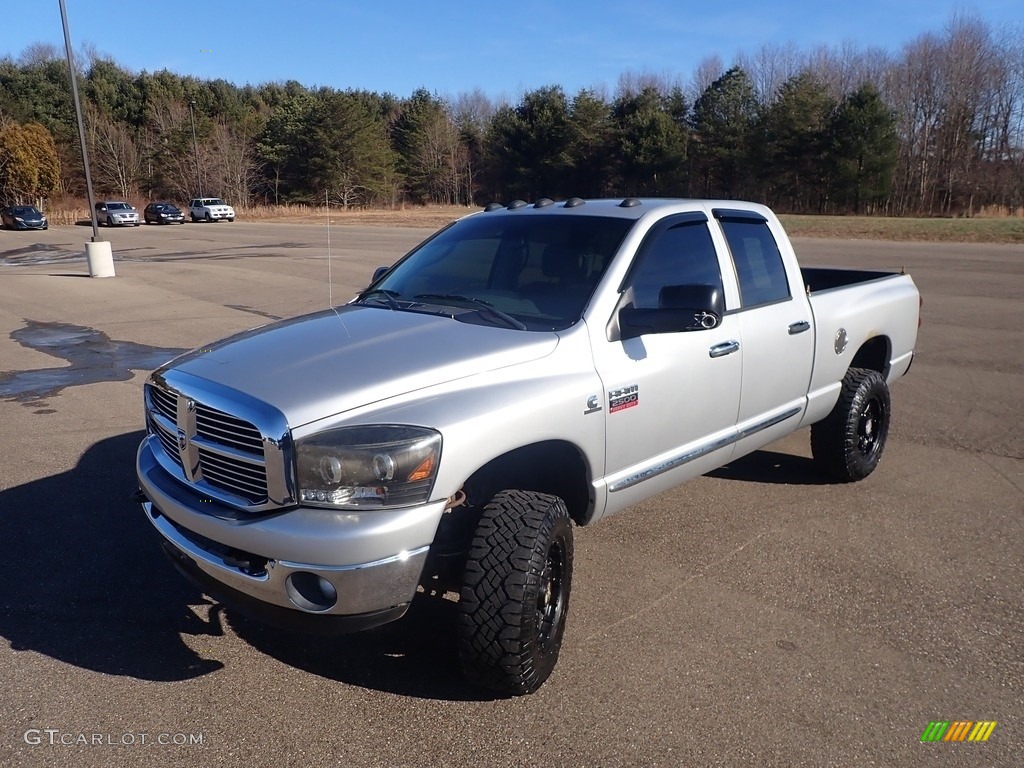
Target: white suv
210, 209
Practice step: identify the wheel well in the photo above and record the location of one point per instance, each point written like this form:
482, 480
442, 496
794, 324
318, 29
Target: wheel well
554, 466
874, 354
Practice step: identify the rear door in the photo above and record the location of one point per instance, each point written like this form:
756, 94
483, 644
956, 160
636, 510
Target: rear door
776, 329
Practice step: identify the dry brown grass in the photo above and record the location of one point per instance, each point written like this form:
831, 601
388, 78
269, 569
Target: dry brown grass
974, 230
991, 225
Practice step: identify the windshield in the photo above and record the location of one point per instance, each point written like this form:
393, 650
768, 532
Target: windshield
118, 207
213, 201
24, 210
538, 270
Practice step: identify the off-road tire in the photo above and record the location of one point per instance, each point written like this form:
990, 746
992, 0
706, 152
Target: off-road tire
515, 592
848, 443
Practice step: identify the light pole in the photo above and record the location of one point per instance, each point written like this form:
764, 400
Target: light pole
98, 253
195, 144
81, 126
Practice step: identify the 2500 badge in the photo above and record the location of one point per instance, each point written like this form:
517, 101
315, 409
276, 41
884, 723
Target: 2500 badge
623, 397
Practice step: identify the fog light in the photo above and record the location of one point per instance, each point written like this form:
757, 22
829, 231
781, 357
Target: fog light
311, 592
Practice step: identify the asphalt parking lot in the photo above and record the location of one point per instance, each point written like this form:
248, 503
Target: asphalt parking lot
757, 616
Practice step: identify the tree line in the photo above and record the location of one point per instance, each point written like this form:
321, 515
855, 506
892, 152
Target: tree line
934, 129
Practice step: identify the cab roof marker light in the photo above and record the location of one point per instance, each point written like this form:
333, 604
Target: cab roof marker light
544, 202
574, 202
516, 204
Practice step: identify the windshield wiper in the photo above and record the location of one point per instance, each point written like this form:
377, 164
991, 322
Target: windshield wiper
382, 293
485, 307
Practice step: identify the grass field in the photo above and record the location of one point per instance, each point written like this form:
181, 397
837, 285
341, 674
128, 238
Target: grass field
1007, 229
977, 230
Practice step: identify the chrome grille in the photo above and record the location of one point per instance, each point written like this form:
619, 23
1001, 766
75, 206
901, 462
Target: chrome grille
222, 428
247, 480
221, 454
165, 402
168, 440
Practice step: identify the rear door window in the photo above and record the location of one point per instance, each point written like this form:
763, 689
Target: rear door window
759, 267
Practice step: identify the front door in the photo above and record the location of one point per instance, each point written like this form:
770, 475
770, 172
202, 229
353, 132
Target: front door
670, 399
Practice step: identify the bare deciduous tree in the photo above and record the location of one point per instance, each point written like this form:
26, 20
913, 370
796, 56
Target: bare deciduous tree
114, 154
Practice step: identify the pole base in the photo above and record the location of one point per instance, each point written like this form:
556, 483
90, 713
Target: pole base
101, 259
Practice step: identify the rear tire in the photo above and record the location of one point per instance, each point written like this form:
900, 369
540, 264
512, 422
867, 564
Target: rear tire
515, 592
848, 443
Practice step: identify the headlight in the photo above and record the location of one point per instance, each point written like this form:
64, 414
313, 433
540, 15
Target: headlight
373, 466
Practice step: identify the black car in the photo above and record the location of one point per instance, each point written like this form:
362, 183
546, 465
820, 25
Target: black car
23, 217
163, 213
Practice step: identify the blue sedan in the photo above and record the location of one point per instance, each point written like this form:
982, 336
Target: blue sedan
23, 217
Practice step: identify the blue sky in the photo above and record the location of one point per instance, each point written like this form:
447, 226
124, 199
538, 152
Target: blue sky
448, 47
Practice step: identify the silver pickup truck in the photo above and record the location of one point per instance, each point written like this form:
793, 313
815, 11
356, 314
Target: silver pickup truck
528, 368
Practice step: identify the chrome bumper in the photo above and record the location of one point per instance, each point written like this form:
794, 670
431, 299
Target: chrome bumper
355, 563
363, 588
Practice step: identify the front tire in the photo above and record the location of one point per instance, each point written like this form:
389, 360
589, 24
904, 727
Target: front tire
515, 592
848, 443
209, 218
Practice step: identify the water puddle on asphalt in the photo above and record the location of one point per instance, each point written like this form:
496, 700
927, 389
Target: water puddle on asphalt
93, 357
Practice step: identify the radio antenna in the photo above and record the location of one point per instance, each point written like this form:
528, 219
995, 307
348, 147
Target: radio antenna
330, 283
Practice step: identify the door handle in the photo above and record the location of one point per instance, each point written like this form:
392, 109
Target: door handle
723, 349
799, 327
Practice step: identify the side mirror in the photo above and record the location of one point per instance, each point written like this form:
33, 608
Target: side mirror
378, 273
680, 308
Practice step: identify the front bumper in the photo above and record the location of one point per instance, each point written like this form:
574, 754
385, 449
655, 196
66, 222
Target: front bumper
310, 569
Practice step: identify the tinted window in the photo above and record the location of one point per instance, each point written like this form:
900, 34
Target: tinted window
759, 267
683, 254
541, 269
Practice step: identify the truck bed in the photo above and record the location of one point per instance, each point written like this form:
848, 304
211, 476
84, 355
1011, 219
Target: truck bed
819, 279
851, 308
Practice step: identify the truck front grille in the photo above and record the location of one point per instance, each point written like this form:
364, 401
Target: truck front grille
220, 454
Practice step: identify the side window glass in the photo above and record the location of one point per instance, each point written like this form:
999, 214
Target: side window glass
683, 254
759, 267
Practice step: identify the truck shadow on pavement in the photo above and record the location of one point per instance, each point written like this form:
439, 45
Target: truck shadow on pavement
772, 467
414, 656
84, 581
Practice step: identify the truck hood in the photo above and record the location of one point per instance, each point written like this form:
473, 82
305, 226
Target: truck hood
322, 364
